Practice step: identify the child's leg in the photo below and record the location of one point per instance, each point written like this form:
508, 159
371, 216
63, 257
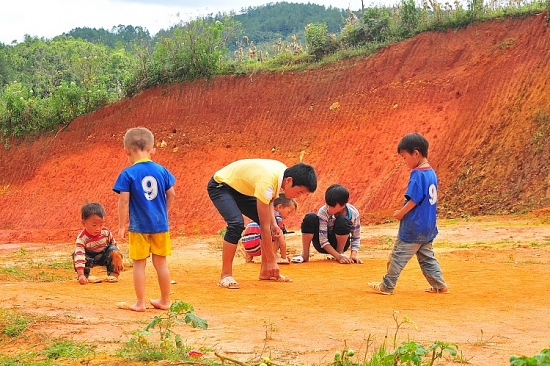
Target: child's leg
113, 262
401, 254
139, 284
310, 232
163, 276
430, 266
228, 254
341, 241
225, 200
306, 243
281, 243
342, 229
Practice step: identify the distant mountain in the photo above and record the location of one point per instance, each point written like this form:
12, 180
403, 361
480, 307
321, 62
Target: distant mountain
261, 24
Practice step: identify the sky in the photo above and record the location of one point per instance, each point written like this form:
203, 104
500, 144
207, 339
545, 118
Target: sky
50, 18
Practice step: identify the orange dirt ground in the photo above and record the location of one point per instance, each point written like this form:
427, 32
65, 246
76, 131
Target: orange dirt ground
480, 95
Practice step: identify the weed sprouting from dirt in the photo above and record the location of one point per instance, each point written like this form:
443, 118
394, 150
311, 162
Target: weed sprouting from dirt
269, 329
480, 341
13, 323
407, 353
170, 345
68, 349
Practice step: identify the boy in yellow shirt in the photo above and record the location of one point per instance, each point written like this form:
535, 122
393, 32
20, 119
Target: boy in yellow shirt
248, 187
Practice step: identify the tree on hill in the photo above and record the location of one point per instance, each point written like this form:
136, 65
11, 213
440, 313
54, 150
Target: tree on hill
124, 35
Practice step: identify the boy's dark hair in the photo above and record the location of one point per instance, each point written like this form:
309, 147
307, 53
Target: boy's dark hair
282, 200
336, 194
92, 208
413, 141
302, 174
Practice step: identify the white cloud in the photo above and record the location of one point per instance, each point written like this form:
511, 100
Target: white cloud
53, 17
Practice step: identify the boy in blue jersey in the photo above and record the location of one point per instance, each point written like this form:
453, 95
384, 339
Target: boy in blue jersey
417, 226
334, 229
146, 192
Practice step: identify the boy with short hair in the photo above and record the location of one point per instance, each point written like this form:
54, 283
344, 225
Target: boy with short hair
334, 229
146, 193
284, 207
418, 216
96, 245
248, 187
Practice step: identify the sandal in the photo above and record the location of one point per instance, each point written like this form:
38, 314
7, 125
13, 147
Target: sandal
297, 259
379, 288
229, 283
433, 290
111, 279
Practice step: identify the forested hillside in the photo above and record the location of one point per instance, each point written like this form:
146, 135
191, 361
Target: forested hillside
479, 94
46, 83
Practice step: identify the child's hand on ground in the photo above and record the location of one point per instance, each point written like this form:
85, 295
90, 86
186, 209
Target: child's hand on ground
82, 279
354, 259
344, 260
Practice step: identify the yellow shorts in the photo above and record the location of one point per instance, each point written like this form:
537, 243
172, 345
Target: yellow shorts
141, 245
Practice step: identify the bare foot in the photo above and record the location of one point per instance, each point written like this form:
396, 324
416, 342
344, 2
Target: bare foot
135, 307
158, 304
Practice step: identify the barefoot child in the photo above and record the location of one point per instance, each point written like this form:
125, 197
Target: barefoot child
284, 207
146, 193
95, 245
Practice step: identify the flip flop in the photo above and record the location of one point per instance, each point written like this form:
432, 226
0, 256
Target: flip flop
94, 279
297, 259
433, 290
110, 279
281, 278
229, 283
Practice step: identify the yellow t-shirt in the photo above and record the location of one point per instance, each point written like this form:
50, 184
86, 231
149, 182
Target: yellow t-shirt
260, 178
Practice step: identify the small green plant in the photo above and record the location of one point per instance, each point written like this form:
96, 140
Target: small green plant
540, 359
269, 329
170, 345
385, 241
407, 353
12, 323
506, 43
480, 341
68, 349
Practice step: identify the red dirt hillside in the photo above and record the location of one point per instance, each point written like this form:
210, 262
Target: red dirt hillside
480, 95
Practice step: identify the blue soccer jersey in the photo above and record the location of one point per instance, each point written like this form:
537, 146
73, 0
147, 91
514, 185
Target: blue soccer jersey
419, 224
147, 183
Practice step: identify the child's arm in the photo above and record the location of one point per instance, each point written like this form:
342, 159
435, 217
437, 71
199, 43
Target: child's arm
79, 258
399, 214
282, 246
123, 209
170, 197
267, 219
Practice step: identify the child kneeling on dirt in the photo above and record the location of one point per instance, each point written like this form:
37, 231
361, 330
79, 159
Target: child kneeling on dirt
284, 207
96, 245
334, 229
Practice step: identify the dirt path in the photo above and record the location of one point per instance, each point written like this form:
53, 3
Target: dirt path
498, 272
